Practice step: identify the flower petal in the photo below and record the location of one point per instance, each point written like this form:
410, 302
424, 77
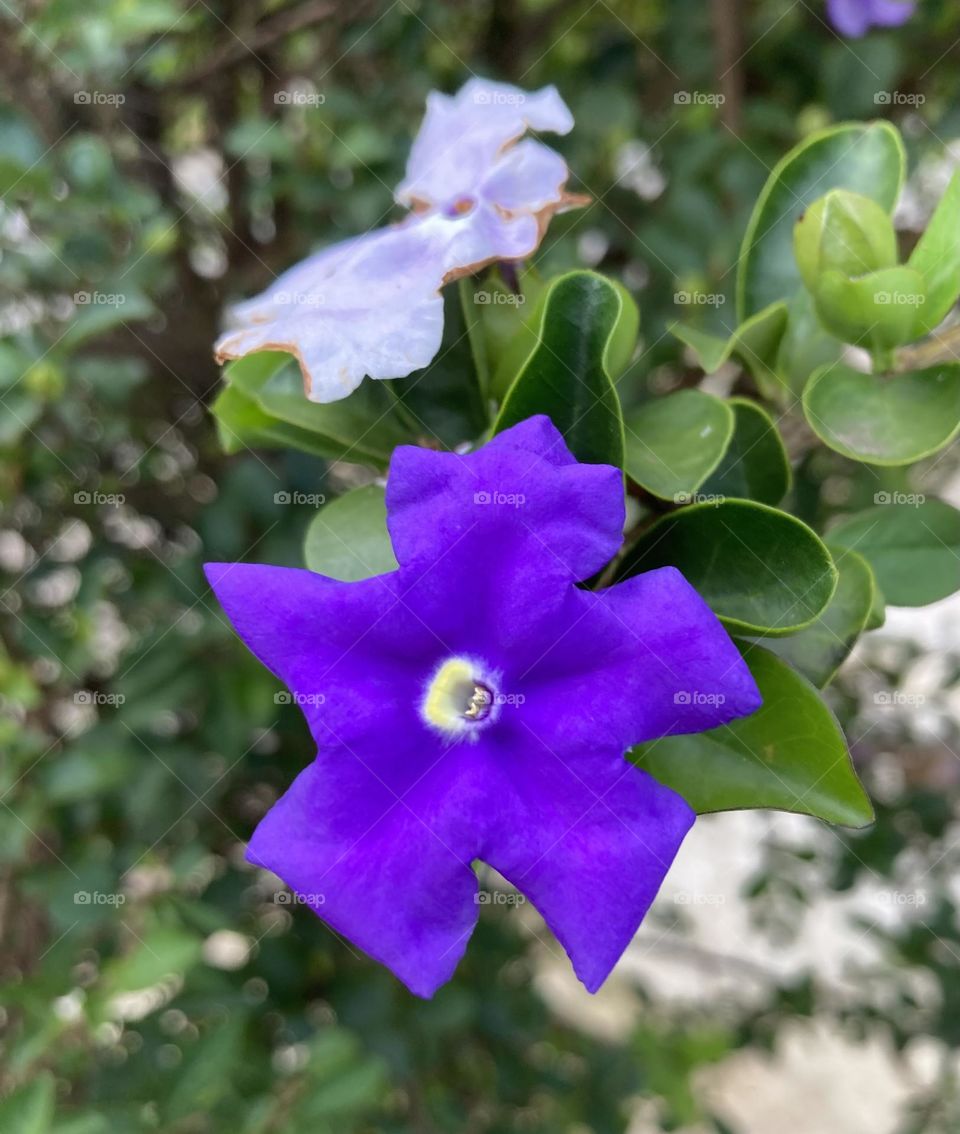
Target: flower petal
641, 660
527, 178
463, 134
589, 839
386, 872
352, 654
369, 306
523, 493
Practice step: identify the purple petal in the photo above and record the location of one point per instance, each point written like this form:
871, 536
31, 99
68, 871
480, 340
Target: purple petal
392, 874
644, 659
463, 134
351, 654
891, 13
522, 494
589, 840
854, 18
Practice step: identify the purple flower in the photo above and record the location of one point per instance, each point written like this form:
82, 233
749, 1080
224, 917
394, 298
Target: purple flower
855, 18
477, 704
371, 305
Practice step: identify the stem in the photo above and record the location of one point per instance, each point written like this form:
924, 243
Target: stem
942, 347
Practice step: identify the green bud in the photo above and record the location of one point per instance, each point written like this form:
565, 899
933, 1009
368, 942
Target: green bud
846, 233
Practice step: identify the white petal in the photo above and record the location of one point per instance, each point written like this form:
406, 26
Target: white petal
463, 135
370, 305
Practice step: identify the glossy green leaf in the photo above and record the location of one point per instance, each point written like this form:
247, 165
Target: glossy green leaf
588, 327
348, 538
937, 258
755, 465
805, 347
865, 158
242, 424
879, 311
674, 443
819, 650
361, 428
760, 569
789, 755
913, 548
884, 420
755, 343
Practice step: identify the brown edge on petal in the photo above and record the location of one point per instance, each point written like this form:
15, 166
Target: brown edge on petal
224, 356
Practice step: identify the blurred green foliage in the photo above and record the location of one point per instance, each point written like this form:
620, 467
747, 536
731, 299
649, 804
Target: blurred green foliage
150, 172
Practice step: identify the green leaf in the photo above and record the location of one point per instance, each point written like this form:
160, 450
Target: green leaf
348, 537
818, 651
359, 428
789, 755
884, 420
937, 258
157, 953
755, 342
760, 569
444, 402
30, 1108
755, 465
242, 424
913, 548
804, 348
587, 329
865, 158
674, 443
879, 311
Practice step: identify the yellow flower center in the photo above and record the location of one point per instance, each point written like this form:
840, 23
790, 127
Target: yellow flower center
456, 697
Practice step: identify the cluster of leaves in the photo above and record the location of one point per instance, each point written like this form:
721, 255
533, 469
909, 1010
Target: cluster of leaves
148, 175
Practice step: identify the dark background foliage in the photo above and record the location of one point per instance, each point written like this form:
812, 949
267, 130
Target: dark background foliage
153, 167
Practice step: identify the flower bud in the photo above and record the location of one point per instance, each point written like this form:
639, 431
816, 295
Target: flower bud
843, 232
